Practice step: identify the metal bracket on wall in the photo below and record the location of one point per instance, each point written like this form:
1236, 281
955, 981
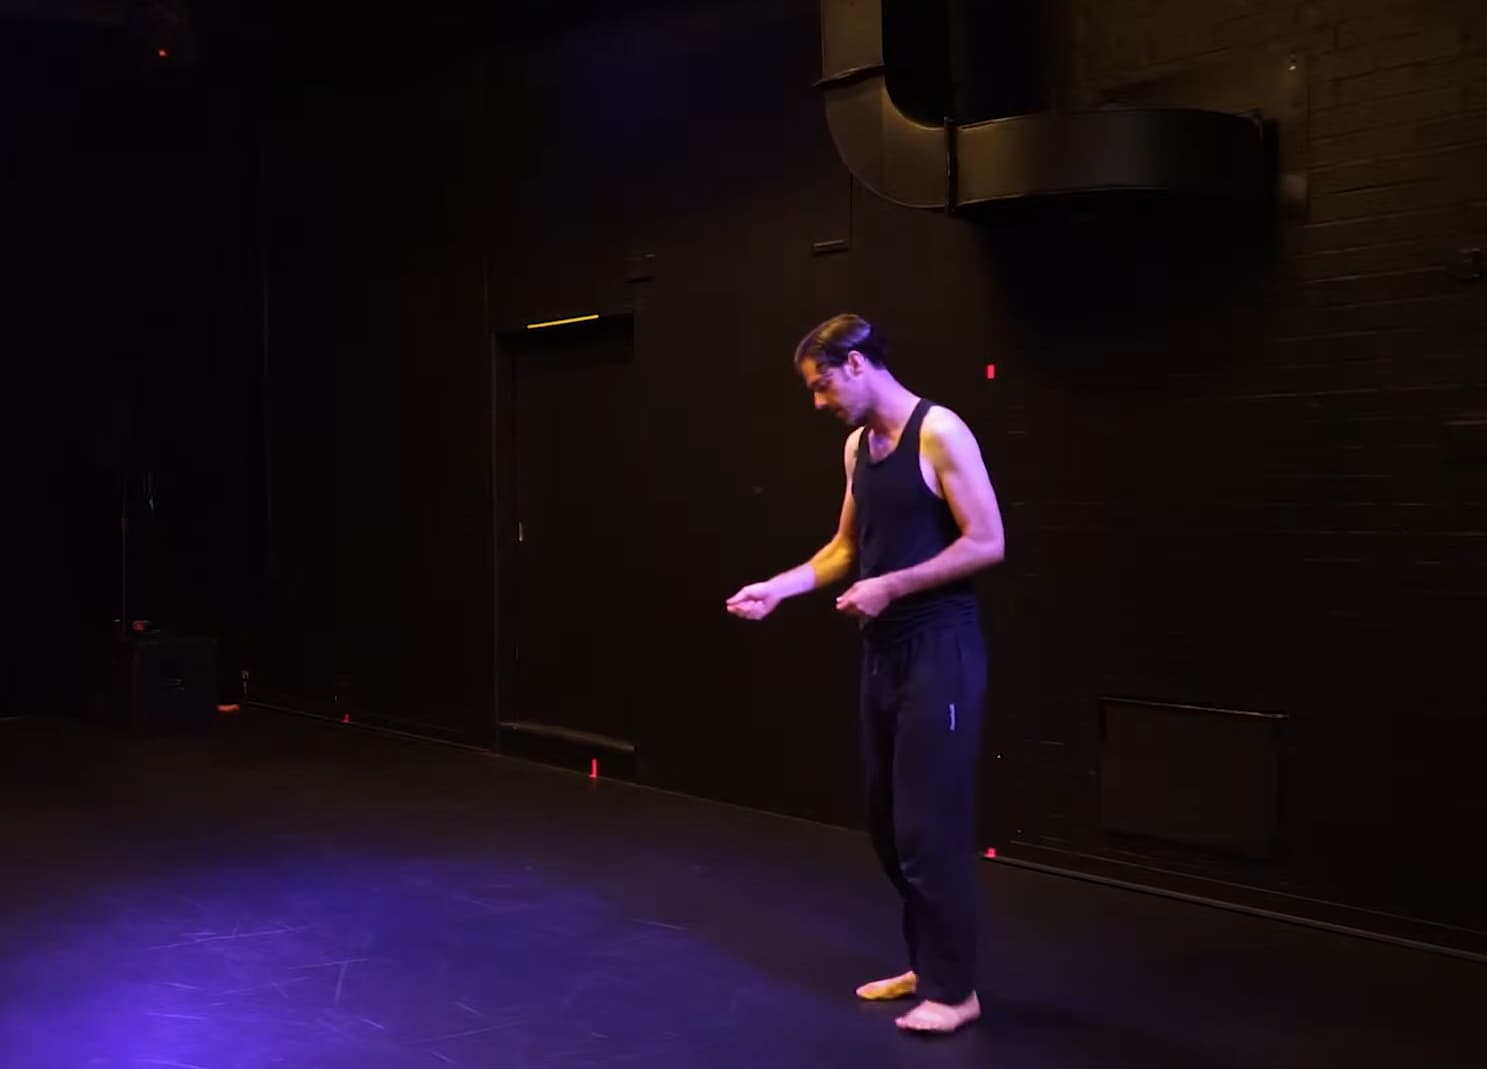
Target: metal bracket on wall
952, 165
1470, 266
641, 267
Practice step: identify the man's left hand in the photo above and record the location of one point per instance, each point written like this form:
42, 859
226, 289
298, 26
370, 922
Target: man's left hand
866, 599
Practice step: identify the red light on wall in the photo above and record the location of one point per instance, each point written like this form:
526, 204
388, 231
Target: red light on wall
991, 371
162, 53
228, 708
990, 853
346, 719
593, 768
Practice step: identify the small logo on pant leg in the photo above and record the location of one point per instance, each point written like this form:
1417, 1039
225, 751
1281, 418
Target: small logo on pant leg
952, 716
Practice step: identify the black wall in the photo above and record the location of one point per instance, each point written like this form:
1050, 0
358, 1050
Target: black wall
1253, 485
378, 418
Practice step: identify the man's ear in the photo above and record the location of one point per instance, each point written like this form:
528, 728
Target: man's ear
856, 362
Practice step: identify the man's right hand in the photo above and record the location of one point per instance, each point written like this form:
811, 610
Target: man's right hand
754, 602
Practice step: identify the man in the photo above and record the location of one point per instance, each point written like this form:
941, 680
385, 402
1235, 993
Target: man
918, 518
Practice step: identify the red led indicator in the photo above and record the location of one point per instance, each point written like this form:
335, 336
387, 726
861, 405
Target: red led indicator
593, 768
162, 53
990, 853
346, 719
991, 371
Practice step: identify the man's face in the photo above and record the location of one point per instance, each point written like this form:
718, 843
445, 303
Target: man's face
838, 390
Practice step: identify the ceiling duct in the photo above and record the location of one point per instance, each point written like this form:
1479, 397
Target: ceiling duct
1185, 154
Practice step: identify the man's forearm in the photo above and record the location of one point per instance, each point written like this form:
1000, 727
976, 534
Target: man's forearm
959, 559
830, 565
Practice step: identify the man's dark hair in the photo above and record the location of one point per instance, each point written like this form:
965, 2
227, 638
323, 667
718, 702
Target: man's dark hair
829, 343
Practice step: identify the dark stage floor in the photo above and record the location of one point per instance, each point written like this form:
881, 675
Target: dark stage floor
299, 894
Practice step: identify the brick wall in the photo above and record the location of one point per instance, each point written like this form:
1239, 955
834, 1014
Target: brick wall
1347, 487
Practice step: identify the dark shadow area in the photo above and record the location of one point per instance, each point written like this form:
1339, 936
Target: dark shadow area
1094, 271
131, 405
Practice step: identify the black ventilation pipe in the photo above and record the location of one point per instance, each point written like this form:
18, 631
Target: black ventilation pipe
1183, 153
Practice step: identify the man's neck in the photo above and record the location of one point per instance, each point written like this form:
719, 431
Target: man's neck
891, 411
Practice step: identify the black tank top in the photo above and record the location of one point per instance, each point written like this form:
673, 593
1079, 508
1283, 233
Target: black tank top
899, 523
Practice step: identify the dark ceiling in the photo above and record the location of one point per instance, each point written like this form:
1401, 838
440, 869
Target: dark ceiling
290, 39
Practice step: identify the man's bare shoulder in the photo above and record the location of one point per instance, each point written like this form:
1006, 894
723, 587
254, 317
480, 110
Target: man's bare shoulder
849, 450
944, 426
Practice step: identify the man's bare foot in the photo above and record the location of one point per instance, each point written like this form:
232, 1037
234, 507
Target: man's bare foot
901, 986
938, 1017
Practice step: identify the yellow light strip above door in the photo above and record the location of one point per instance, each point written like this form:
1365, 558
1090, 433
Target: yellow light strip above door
561, 322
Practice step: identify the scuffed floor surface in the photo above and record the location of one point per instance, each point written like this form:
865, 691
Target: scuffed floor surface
299, 894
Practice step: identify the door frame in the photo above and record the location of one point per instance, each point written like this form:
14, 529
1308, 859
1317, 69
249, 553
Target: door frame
506, 349
503, 512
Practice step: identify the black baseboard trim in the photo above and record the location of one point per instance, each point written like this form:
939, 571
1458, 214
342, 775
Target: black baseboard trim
400, 729
1465, 943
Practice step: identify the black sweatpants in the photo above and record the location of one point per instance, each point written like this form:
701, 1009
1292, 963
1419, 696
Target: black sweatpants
921, 724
